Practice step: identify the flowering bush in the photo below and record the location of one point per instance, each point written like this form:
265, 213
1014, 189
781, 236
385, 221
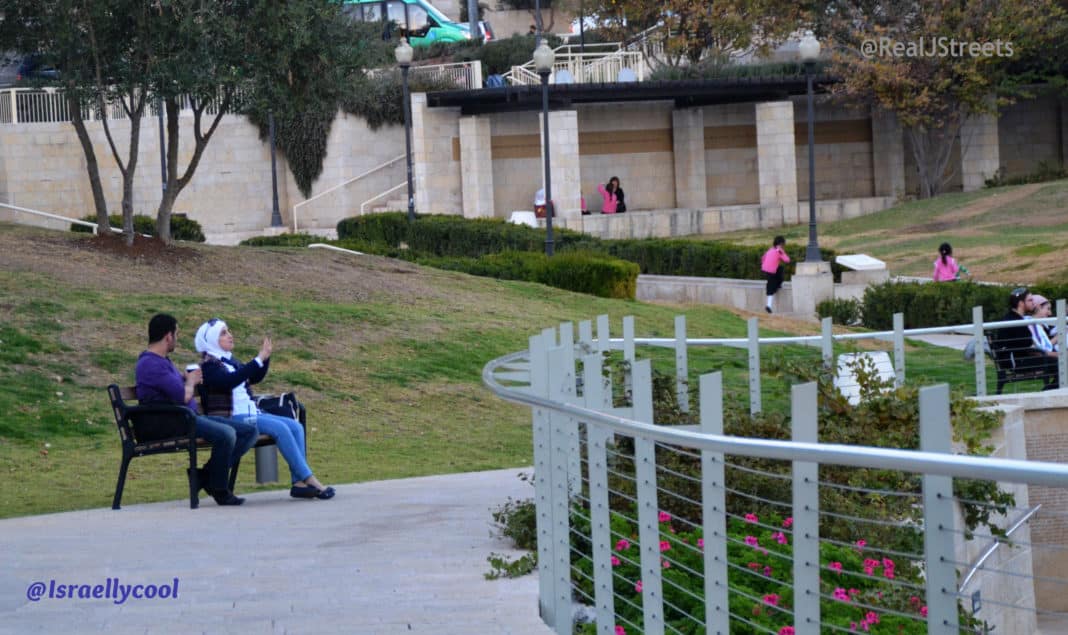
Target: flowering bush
857, 584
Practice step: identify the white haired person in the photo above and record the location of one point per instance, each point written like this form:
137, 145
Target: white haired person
228, 394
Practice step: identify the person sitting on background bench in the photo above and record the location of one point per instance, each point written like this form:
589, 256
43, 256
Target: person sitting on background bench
1013, 345
1040, 334
228, 380
159, 381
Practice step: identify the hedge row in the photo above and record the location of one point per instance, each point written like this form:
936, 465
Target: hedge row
471, 238
942, 303
182, 228
583, 272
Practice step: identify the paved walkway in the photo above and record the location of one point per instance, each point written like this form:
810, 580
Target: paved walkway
402, 556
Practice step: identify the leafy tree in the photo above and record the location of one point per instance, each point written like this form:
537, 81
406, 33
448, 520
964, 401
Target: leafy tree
699, 30
934, 79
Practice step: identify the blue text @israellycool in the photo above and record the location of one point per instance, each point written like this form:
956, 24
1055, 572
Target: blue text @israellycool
112, 590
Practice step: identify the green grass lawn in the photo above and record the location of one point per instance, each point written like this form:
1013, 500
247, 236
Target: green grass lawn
391, 377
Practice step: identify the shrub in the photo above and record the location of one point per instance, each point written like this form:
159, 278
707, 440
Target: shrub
931, 304
283, 240
182, 228
841, 311
1046, 171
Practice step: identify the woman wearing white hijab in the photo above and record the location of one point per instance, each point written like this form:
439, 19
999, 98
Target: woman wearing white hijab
228, 380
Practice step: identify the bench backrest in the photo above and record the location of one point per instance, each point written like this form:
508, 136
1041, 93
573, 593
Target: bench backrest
151, 422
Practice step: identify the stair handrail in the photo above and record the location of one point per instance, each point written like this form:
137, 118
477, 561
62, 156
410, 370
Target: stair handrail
341, 185
65, 219
363, 205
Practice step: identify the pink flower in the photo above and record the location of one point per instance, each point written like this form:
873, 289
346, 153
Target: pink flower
767, 570
620, 630
751, 518
787, 524
623, 544
779, 537
663, 517
771, 599
861, 544
664, 563
853, 592
888, 563
852, 626
701, 543
835, 566
615, 561
753, 565
841, 595
638, 586
664, 546
914, 600
786, 630
889, 573
752, 541
923, 611
872, 617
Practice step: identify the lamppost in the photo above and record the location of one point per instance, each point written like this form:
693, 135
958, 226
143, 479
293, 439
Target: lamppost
403, 53
543, 62
810, 51
276, 215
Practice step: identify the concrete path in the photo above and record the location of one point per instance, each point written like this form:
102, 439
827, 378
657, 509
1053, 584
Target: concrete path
403, 556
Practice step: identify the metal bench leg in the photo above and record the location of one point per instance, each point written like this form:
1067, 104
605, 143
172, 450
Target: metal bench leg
266, 464
194, 479
122, 480
233, 473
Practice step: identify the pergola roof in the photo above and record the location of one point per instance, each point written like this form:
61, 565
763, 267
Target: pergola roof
686, 93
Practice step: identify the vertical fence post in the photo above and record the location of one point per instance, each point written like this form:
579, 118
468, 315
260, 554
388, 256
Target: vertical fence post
899, 348
539, 385
567, 386
595, 398
682, 368
603, 339
561, 377
827, 342
585, 337
648, 509
979, 339
1062, 360
714, 509
14, 105
628, 353
753, 347
938, 515
806, 509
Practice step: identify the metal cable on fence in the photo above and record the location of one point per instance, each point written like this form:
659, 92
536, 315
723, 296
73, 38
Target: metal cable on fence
685, 477
752, 623
1009, 605
865, 490
684, 521
742, 494
870, 521
754, 572
680, 610
1011, 574
778, 475
877, 550
758, 523
625, 622
677, 496
882, 609
682, 567
1008, 541
758, 600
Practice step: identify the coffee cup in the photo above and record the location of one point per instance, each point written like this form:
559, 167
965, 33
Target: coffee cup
192, 367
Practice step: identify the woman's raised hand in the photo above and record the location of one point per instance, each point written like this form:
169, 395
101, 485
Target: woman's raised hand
265, 349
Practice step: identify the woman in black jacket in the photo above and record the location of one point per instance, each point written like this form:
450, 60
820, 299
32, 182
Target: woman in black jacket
613, 186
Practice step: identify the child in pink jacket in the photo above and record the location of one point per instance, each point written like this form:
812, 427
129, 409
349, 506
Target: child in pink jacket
772, 266
610, 200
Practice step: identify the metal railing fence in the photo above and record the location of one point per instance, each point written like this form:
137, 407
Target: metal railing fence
604, 477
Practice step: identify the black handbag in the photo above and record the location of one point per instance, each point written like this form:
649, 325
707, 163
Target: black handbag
284, 405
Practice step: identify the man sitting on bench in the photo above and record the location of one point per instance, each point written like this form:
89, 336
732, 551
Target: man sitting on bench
1013, 346
159, 381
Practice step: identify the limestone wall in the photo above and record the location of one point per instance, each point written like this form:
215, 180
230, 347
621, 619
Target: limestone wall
1029, 132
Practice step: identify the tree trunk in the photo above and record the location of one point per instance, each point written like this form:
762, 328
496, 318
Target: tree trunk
932, 150
91, 165
128, 173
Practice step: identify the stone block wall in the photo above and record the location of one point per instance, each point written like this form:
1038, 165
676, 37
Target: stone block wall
731, 155
1029, 132
436, 154
844, 158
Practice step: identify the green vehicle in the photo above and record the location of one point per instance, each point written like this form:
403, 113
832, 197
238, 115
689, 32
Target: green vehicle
421, 22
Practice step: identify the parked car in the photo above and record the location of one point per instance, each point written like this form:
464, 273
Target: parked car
418, 20
33, 67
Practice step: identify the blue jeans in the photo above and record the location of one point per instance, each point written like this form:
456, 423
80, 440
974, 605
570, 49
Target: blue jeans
289, 435
229, 440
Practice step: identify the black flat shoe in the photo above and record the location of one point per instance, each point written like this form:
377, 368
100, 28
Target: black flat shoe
303, 491
227, 498
326, 494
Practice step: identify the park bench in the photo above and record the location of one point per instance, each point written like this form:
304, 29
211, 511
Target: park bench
1007, 372
148, 429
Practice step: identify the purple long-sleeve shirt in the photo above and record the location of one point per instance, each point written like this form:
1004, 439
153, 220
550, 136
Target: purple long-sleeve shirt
159, 381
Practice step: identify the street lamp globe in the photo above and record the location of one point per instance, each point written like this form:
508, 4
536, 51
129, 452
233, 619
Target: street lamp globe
404, 52
544, 58
809, 47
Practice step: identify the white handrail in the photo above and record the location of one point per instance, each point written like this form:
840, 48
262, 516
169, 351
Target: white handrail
65, 219
363, 205
341, 185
